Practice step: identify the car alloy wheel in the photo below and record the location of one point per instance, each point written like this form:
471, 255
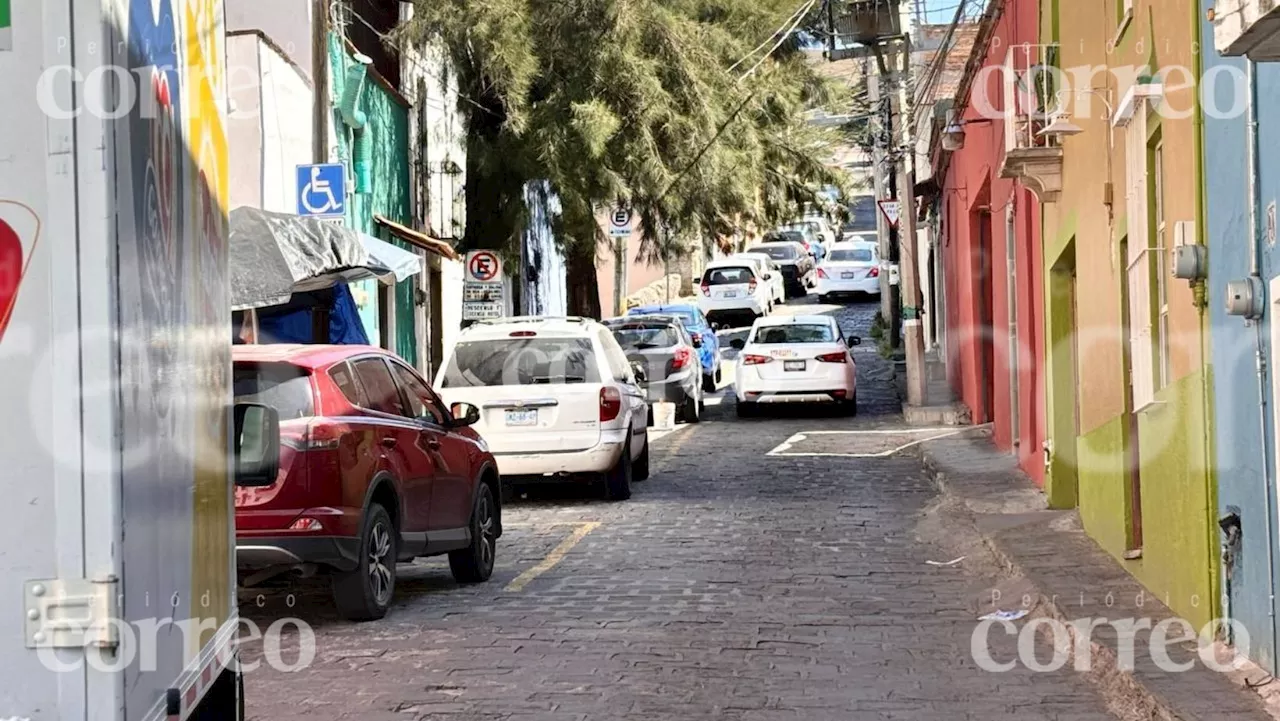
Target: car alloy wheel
381, 579
474, 563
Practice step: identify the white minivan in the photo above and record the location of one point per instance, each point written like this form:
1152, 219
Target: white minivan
557, 400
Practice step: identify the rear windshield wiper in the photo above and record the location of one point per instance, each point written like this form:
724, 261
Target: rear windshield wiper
645, 346
561, 379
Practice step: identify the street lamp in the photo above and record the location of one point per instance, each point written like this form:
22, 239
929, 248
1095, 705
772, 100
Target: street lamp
1062, 127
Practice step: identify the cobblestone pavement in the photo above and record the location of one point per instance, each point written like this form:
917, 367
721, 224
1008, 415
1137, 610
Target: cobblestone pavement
733, 585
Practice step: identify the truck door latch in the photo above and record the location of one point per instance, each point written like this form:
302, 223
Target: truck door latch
71, 613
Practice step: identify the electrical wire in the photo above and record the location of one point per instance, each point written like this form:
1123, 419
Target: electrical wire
800, 16
407, 53
799, 11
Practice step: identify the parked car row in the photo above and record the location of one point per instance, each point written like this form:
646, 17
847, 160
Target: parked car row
377, 466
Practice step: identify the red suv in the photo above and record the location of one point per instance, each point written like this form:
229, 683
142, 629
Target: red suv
374, 469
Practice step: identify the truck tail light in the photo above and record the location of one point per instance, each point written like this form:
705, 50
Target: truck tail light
837, 357
682, 358
610, 403
755, 360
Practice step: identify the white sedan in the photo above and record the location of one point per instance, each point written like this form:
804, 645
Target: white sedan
796, 359
849, 268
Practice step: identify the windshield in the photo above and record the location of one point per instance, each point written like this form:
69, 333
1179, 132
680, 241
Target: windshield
728, 276
521, 362
777, 252
641, 336
855, 254
284, 387
776, 334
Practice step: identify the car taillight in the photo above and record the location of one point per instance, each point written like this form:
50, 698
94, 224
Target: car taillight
822, 273
751, 286
755, 360
610, 404
839, 357
306, 524
706, 289
524, 334
873, 273
682, 358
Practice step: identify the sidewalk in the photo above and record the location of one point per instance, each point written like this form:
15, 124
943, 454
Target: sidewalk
1074, 579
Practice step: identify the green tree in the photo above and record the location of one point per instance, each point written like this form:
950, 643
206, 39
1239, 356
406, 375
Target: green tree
657, 103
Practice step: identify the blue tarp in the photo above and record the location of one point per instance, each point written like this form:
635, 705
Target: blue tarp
295, 326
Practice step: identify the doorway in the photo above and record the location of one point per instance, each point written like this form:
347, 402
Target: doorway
1062, 479
1132, 457
984, 282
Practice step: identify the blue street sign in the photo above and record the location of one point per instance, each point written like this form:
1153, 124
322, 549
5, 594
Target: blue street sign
322, 190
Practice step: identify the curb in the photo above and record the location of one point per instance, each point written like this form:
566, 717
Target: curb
1125, 694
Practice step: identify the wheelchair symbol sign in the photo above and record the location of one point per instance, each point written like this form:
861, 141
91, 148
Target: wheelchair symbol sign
322, 190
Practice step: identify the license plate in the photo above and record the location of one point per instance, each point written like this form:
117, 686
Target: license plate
848, 276
729, 294
522, 417
793, 365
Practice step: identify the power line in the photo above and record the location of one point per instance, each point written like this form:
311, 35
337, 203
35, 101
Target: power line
800, 11
798, 17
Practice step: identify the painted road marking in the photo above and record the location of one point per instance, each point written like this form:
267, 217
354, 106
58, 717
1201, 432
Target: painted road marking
929, 434
557, 554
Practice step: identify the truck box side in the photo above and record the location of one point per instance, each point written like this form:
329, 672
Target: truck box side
115, 350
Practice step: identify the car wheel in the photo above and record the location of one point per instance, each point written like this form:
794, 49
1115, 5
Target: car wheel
746, 409
690, 411
641, 470
709, 382
824, 298
851, 405
365, 593
474, 563
617, 480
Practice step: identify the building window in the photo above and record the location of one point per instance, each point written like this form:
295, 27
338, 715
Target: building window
1144, 264
1159, 246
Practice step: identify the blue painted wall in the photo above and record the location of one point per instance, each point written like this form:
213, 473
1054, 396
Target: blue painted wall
1239, 427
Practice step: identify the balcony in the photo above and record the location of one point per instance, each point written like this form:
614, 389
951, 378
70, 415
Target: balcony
1247, 27
1029, 105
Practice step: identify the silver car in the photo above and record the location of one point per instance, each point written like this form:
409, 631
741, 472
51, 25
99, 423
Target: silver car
660, 345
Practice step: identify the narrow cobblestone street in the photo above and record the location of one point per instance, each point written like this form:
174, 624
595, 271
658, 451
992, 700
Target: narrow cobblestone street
733, 585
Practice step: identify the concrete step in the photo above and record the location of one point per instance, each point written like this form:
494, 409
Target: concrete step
948, 414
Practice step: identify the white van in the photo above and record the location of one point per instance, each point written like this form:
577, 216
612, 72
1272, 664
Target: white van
557, 400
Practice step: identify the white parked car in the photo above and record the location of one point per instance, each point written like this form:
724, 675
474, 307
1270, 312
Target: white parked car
769, 271
796, 359
849, 268
731, 291
557, 399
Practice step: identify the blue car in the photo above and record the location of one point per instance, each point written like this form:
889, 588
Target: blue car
696, 323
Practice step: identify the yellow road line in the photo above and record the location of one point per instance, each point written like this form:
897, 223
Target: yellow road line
557, 554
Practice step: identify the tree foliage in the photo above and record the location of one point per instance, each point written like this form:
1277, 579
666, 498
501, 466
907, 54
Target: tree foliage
634, 101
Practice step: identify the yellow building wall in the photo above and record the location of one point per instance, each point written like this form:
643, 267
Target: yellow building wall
1179, 557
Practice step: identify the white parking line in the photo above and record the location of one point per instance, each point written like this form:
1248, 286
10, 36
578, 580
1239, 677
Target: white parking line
930, 434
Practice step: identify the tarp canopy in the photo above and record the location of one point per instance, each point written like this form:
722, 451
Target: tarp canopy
274, 255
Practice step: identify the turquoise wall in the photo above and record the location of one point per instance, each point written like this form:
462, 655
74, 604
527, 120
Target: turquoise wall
390, 193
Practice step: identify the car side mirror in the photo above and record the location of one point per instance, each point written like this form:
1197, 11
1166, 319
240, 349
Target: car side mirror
638, 370
855, 340
257, 445
737, 344
464, 414
697, 341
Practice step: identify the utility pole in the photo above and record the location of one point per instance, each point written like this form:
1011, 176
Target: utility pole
908, 268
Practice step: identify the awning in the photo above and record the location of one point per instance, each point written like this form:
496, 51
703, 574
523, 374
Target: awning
274, 255
421, 240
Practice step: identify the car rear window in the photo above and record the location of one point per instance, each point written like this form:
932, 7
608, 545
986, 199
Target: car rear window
282, 386
798, 333
521, 362
786, 236
727, 276
855, 254
640, 336
777, 252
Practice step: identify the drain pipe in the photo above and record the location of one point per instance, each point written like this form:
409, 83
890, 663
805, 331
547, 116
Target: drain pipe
1011, 260
1260, 360
358, 120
